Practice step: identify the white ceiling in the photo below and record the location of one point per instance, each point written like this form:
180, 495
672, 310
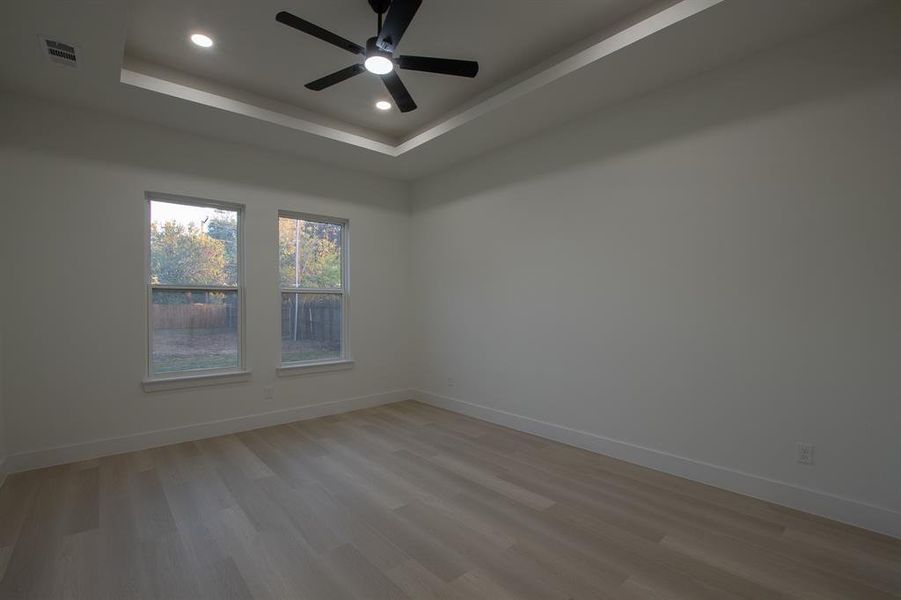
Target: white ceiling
136, 62
254, 53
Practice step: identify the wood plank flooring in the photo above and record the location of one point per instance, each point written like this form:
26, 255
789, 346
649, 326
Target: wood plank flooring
407, 501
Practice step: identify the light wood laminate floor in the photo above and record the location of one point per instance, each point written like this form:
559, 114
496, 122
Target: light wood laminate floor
409, 501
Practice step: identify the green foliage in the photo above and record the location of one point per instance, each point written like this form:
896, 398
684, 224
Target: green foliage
319, 248
224, 227
185, 255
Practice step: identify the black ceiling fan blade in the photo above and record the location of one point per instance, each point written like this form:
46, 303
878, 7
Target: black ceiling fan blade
398, 91
336, 77
445, 66
317, 31
397, 20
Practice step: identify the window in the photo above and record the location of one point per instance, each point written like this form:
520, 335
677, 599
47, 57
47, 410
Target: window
194, 287
312, 265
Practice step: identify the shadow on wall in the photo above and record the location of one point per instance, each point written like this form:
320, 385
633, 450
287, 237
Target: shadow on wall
45, 127
868, 54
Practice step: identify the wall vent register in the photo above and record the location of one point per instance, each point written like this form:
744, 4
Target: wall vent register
59, 52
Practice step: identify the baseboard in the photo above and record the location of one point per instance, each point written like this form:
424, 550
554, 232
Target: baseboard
24, 461
838, 508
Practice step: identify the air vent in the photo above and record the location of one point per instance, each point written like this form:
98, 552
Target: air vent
59, 52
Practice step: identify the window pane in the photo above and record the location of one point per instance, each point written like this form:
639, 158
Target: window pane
311, 326
193, 330
193, 245
309, 253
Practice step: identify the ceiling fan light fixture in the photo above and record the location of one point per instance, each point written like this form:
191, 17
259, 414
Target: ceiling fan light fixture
377, 61
378, 64
204, 41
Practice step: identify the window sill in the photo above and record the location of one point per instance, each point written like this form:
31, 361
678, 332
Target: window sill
191, 381
318, 367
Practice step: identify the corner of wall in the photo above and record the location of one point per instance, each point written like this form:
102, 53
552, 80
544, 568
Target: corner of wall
3, 437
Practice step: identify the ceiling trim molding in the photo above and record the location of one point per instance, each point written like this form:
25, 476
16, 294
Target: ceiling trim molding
162, 86
618, 41
633, 34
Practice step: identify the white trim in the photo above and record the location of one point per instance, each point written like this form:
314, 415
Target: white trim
305, 216
193, 201
301, 290
47, 457
191, 288
289, 370
203, 378
838, 508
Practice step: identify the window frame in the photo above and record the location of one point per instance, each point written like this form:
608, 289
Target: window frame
325, 364
193, 377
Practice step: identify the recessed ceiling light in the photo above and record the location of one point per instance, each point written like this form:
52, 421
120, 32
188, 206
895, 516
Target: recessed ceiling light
379, 65
383, 105
204, 41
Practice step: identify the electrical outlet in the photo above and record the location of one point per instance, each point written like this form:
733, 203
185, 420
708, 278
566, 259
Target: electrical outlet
268, 393
450, 382
805, 453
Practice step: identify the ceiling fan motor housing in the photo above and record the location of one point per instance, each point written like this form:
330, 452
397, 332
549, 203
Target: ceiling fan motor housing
372, 49
380, 6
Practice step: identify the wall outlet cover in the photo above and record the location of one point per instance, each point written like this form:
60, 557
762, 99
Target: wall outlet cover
805, 453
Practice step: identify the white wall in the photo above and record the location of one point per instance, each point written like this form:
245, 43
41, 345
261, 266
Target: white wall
73, 236
711, 273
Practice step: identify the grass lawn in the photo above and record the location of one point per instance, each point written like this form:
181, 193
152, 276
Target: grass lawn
194, 349
303, 350
191, 349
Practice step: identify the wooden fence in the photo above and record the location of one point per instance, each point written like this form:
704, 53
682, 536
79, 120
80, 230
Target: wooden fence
193, 316
317, 320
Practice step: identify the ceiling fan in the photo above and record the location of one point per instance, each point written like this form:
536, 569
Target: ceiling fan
379, 52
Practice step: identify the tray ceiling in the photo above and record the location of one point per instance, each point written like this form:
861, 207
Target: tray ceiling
543, 64
255, 54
